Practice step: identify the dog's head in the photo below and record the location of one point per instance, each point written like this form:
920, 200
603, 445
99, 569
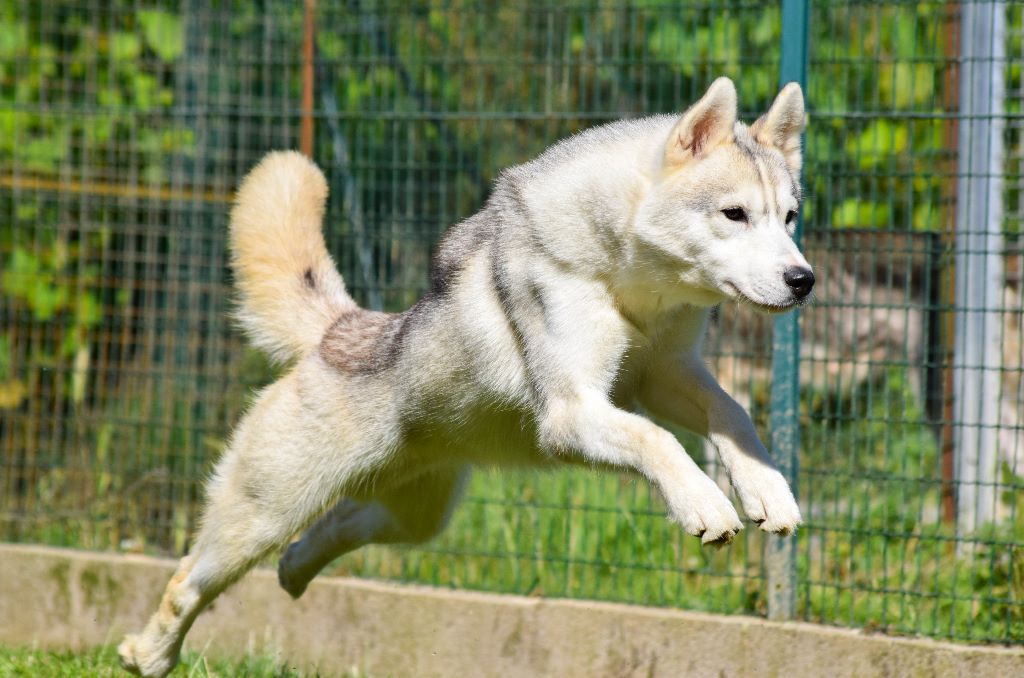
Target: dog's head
719, 219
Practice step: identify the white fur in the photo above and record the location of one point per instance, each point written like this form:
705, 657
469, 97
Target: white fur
575, 300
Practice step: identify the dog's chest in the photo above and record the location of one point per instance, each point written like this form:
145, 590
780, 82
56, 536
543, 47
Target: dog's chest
638, 353
655, 343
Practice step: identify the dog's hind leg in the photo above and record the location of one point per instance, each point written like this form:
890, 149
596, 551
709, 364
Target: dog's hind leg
346, 527
411, 513
236, 533
273, 480
234, 537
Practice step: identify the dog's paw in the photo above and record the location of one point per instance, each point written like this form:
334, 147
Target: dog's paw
291, 578
767, 499
704, 511
143, 659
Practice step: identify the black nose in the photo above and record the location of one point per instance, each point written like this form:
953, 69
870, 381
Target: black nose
800, 280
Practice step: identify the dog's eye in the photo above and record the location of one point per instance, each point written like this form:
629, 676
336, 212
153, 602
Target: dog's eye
735, 214
790, 216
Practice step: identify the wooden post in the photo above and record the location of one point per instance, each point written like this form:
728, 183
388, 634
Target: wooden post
306, 133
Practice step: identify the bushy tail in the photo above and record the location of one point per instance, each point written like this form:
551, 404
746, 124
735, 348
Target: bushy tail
289, 289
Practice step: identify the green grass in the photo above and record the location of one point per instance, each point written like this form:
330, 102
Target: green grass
102, 662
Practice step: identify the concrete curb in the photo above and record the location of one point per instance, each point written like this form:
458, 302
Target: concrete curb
63, 598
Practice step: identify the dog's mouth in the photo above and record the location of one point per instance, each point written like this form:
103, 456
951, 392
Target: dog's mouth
771, 308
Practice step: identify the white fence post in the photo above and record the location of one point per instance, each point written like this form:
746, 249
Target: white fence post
977, 353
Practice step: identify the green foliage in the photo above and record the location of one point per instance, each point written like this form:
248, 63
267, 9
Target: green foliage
51, 284
125, 68
46, 286
50, 267
163, 32
876, 156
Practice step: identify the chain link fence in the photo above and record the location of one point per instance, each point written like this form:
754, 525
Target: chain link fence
125, 126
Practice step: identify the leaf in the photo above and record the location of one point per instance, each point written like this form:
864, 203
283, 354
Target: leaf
144, 91
45, 154
5, 357
12, 392
878, 143
89, 312
857, 213
13, 38
907, 85
177, 140
124, 46
27, 211
23, 266
674, 44
766, 31
25, 278
45, 299
925, 217
163, 33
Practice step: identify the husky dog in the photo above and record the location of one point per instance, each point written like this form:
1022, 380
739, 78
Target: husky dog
578, 295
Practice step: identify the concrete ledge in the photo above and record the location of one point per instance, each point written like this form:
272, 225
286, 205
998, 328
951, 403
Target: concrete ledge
63, 598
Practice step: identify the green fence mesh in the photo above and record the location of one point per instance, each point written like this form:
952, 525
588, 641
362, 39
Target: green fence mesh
124, 127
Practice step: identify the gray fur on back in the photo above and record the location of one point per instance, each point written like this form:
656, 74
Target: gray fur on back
366, 342
504, 208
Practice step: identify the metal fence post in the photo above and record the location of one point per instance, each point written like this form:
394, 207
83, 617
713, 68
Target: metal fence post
978, 343
785, 400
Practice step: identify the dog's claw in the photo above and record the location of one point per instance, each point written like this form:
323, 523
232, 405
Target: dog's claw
784, 531
717, 541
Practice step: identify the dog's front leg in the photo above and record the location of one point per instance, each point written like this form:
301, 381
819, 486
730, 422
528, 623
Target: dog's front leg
684, 392
586, 423
574, 339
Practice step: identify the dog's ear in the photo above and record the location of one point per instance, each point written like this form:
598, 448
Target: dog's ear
783, 124
704, 125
